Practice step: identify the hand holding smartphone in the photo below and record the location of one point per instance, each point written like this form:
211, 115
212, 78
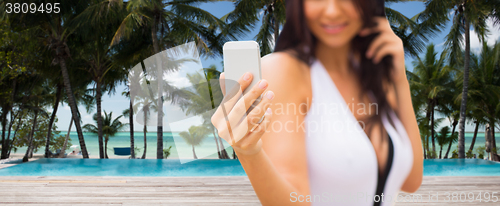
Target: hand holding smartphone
241, 57
234, 119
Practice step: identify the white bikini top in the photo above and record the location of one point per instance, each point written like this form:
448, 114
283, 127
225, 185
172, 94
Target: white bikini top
342, 163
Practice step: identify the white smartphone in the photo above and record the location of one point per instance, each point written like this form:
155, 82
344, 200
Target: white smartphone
241, 57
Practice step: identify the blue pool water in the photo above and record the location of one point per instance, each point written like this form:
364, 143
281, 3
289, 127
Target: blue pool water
207, 167
125, 167
461, 167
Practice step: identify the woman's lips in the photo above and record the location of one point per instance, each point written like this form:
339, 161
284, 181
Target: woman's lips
333, 28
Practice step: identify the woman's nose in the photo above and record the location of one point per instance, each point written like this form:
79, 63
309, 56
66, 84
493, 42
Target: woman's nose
332, 8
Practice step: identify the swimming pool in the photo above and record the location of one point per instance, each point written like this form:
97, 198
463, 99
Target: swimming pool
207, 167
461, 167
125, 167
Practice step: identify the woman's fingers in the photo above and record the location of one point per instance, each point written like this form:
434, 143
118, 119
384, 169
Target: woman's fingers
384, 51
235, 132
376, 45
221, 119
233, 96
222, 83
258, 131
382, 25
251, 123
239, 110
258, 112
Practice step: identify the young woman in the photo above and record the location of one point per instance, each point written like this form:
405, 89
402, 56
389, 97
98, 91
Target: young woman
338, 123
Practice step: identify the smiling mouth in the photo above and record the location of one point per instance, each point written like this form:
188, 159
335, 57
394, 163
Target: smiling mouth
334, 29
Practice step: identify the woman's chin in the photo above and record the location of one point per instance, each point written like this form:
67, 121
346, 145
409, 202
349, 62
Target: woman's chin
336, 44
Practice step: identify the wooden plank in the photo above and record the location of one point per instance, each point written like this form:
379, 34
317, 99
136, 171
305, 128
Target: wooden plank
78, 190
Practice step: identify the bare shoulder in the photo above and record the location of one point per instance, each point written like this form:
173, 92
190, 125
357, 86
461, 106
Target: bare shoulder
285, 73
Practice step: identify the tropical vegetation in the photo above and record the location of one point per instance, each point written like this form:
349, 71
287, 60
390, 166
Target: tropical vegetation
75, 57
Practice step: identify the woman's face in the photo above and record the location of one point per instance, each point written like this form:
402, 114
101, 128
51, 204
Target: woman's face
334, 22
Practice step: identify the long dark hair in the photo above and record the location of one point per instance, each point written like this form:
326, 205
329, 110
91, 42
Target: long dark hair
298, 40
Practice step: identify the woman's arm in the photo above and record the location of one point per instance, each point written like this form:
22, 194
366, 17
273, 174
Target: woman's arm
409, 121
275, 161
285, 168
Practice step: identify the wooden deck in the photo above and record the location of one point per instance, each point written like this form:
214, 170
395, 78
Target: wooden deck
193, 190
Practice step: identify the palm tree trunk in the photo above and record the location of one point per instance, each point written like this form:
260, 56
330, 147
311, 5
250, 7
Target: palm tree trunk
440, 151
131, 123
8, 142
428, 117
15, 132
159, 130
474, 138
28, 151
31, 151
216, 143
52, 118
5, 110
194, 154
423, 145
99, 119
72, 104
493, 141
223, 151
455, 122
145, 140
429, 154
463, 105
4, 123
63, 150
432, 132
106, 147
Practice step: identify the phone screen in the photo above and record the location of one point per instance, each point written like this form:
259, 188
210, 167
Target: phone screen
239, 58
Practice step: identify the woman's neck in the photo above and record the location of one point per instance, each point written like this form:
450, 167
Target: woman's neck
334, 59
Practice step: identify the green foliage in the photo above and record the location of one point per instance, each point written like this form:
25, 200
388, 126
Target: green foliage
137, 150
442, 137
166, 152
432, 154
195, 135
454, 154
469, 154
480, 150
110, 126
39, 137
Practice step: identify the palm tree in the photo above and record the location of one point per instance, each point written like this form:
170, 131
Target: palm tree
143, 104
96, 54
57, 99
247, 13
110, 127
452, 139
56, 29
433, 80
129, 113
35, 101
202, 101
194, 136
485, 87
191, 23
466, 14
450, 106
442, 138
212, 76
